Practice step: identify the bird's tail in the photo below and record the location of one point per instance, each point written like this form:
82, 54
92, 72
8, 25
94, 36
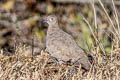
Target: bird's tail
84, 62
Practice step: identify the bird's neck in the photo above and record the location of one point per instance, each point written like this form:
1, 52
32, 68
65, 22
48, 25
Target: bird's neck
53, 28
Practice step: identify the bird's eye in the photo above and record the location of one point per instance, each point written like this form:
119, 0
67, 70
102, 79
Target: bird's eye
51, 19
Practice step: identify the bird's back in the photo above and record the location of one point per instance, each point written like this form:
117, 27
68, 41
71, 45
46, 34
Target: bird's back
62, 46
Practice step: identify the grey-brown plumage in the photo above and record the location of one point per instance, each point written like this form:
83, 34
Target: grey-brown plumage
62, 46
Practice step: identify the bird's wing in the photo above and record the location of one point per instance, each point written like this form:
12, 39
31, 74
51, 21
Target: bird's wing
65, 47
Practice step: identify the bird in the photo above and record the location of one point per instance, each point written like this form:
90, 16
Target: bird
62, 46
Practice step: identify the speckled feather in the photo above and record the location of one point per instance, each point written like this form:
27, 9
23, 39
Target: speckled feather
62, 46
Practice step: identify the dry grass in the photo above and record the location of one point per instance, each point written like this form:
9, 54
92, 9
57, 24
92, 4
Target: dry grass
42, 67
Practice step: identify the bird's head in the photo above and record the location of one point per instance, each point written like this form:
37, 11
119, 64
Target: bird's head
51, 20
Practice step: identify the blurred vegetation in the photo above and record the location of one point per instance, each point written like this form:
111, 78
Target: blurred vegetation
26, 16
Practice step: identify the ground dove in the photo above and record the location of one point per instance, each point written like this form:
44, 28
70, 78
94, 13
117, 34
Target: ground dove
62, 46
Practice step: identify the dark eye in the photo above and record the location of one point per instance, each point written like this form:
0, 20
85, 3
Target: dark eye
51, 19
